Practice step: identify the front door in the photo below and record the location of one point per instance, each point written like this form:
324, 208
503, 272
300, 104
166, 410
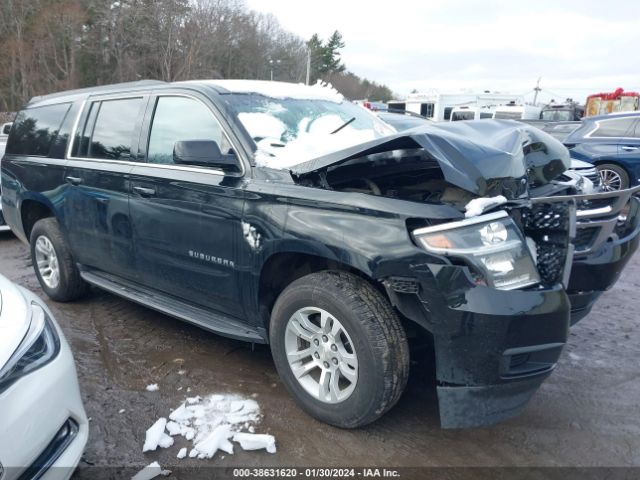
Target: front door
186, 219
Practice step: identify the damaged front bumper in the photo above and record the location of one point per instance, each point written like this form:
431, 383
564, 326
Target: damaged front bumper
607, 235
493, 348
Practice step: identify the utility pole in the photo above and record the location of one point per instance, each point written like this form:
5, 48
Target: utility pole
537, 90
308, 65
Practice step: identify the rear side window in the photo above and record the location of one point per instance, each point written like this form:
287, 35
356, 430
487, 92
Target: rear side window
618, 127
114, 129
35, 129
109, 130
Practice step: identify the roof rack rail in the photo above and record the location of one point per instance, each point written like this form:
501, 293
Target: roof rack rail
98, 88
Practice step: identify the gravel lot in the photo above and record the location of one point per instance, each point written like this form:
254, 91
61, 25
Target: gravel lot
586, 414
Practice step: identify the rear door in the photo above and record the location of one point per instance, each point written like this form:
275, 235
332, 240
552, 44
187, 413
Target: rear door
186, 219
97, 177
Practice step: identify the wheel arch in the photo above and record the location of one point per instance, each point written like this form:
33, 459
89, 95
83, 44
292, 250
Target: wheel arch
32, 210
282, 268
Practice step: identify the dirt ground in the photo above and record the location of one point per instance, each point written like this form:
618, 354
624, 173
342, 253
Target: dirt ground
586, 414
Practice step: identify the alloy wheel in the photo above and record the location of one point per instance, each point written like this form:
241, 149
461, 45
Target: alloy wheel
611, 180
321, 355
47, 262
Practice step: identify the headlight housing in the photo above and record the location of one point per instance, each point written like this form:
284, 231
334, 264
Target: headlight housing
492, 244
39, 346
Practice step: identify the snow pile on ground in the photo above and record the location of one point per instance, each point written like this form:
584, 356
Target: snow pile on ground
153, 387
151, 471
211, 424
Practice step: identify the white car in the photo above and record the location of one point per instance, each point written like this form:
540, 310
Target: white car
42, 421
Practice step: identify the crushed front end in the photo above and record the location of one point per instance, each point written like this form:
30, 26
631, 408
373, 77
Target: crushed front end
496, 306
490, 283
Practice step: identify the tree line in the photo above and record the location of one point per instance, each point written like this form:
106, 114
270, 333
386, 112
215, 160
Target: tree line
53, 45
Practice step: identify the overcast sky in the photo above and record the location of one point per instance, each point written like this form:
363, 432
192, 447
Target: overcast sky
577, 46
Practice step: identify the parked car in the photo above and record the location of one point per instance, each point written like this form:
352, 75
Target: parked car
284, 214
612, 143
43, 423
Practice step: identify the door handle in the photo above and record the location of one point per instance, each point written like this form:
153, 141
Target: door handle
144, 192
73, 180
630, 149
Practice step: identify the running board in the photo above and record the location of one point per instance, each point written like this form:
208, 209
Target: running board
173, 307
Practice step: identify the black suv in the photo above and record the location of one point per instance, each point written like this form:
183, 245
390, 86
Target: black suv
283, 214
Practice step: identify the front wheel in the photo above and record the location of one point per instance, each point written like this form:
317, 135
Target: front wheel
339, 348
613, 177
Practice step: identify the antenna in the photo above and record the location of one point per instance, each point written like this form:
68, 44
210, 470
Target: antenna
537, 90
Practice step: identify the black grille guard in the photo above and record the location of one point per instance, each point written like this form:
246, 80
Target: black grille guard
597, 216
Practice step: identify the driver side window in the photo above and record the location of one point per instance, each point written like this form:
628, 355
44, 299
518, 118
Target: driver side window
178, 119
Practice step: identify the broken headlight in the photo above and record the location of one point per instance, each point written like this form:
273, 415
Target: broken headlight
491, 244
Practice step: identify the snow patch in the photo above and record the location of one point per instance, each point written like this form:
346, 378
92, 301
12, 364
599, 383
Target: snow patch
153, 387
477, 206
154, 435
211, 423
318, 91
255, 441
152, 470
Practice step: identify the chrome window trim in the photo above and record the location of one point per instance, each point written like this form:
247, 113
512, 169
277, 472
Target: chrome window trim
195, 169
462, 223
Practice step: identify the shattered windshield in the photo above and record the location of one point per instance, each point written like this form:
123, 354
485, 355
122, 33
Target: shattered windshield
288, 131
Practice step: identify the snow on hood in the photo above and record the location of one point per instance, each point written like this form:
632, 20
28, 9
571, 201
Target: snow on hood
484, 157
14, 319
318, 91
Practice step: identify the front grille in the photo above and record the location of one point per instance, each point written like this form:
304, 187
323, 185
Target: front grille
549, 224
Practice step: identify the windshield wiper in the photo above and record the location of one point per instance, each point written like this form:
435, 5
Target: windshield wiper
343, 125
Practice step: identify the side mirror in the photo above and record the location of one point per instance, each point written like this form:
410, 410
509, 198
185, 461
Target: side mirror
204, 153
6, 128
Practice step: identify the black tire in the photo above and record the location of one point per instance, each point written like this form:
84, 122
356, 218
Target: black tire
70, 285
377, 335
621, 172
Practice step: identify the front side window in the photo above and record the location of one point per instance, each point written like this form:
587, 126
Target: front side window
35, 129
618, 127
114, 129
179, 119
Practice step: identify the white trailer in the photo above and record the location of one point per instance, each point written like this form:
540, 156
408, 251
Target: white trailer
438, 106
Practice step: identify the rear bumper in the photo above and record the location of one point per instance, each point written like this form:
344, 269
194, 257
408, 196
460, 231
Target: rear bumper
493, 348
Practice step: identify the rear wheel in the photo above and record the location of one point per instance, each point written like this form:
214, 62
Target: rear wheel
52, 261
613, 177
339, 348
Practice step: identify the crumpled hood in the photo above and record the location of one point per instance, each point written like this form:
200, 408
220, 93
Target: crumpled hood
484, 157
